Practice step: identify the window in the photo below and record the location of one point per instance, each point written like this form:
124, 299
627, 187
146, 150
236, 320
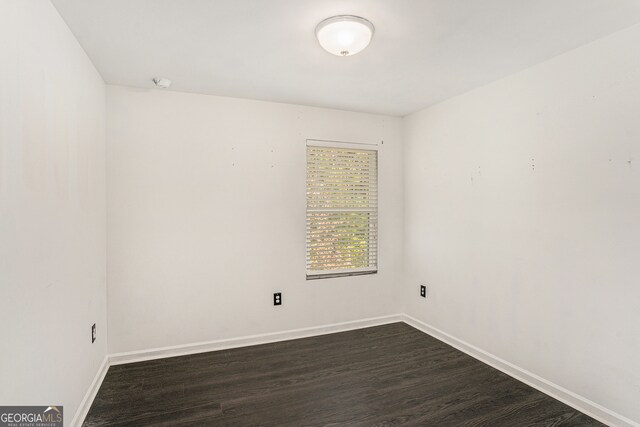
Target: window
342, 210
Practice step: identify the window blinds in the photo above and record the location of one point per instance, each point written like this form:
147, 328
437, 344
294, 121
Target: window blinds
342, 211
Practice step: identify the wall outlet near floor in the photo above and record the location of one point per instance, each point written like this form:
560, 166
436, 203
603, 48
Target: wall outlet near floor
93, 333
423, 291
277, 298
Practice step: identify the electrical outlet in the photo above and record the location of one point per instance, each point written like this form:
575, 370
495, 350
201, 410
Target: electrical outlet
93, 333
277, 298
423, 291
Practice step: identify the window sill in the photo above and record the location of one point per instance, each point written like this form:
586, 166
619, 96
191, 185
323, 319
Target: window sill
345, 274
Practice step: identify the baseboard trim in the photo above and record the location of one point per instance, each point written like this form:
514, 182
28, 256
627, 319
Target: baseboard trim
85, 405
203, 347
568, 397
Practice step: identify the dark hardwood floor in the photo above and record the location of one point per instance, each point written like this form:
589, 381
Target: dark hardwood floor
385, 375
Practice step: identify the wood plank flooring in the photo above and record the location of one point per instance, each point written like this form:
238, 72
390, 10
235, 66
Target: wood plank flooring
385, 375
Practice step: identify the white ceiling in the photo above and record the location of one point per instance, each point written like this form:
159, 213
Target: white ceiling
423, 51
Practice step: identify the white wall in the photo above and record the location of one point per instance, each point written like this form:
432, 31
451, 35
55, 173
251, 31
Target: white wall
206, 216
52, 210
522, 215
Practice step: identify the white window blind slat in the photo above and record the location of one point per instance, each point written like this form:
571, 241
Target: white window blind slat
342, 211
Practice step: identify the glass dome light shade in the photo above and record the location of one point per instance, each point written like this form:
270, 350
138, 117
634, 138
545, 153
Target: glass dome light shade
344, 35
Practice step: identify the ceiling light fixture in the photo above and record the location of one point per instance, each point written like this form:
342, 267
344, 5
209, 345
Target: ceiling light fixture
344, 35
161, 82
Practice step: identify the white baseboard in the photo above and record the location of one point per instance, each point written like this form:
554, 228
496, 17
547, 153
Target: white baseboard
83, 409
202, 347
570, 398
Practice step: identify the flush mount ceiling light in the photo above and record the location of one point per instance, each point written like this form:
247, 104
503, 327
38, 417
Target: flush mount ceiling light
344, 35
161, 82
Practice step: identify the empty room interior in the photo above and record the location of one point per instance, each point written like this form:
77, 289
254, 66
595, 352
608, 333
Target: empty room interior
319, 212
